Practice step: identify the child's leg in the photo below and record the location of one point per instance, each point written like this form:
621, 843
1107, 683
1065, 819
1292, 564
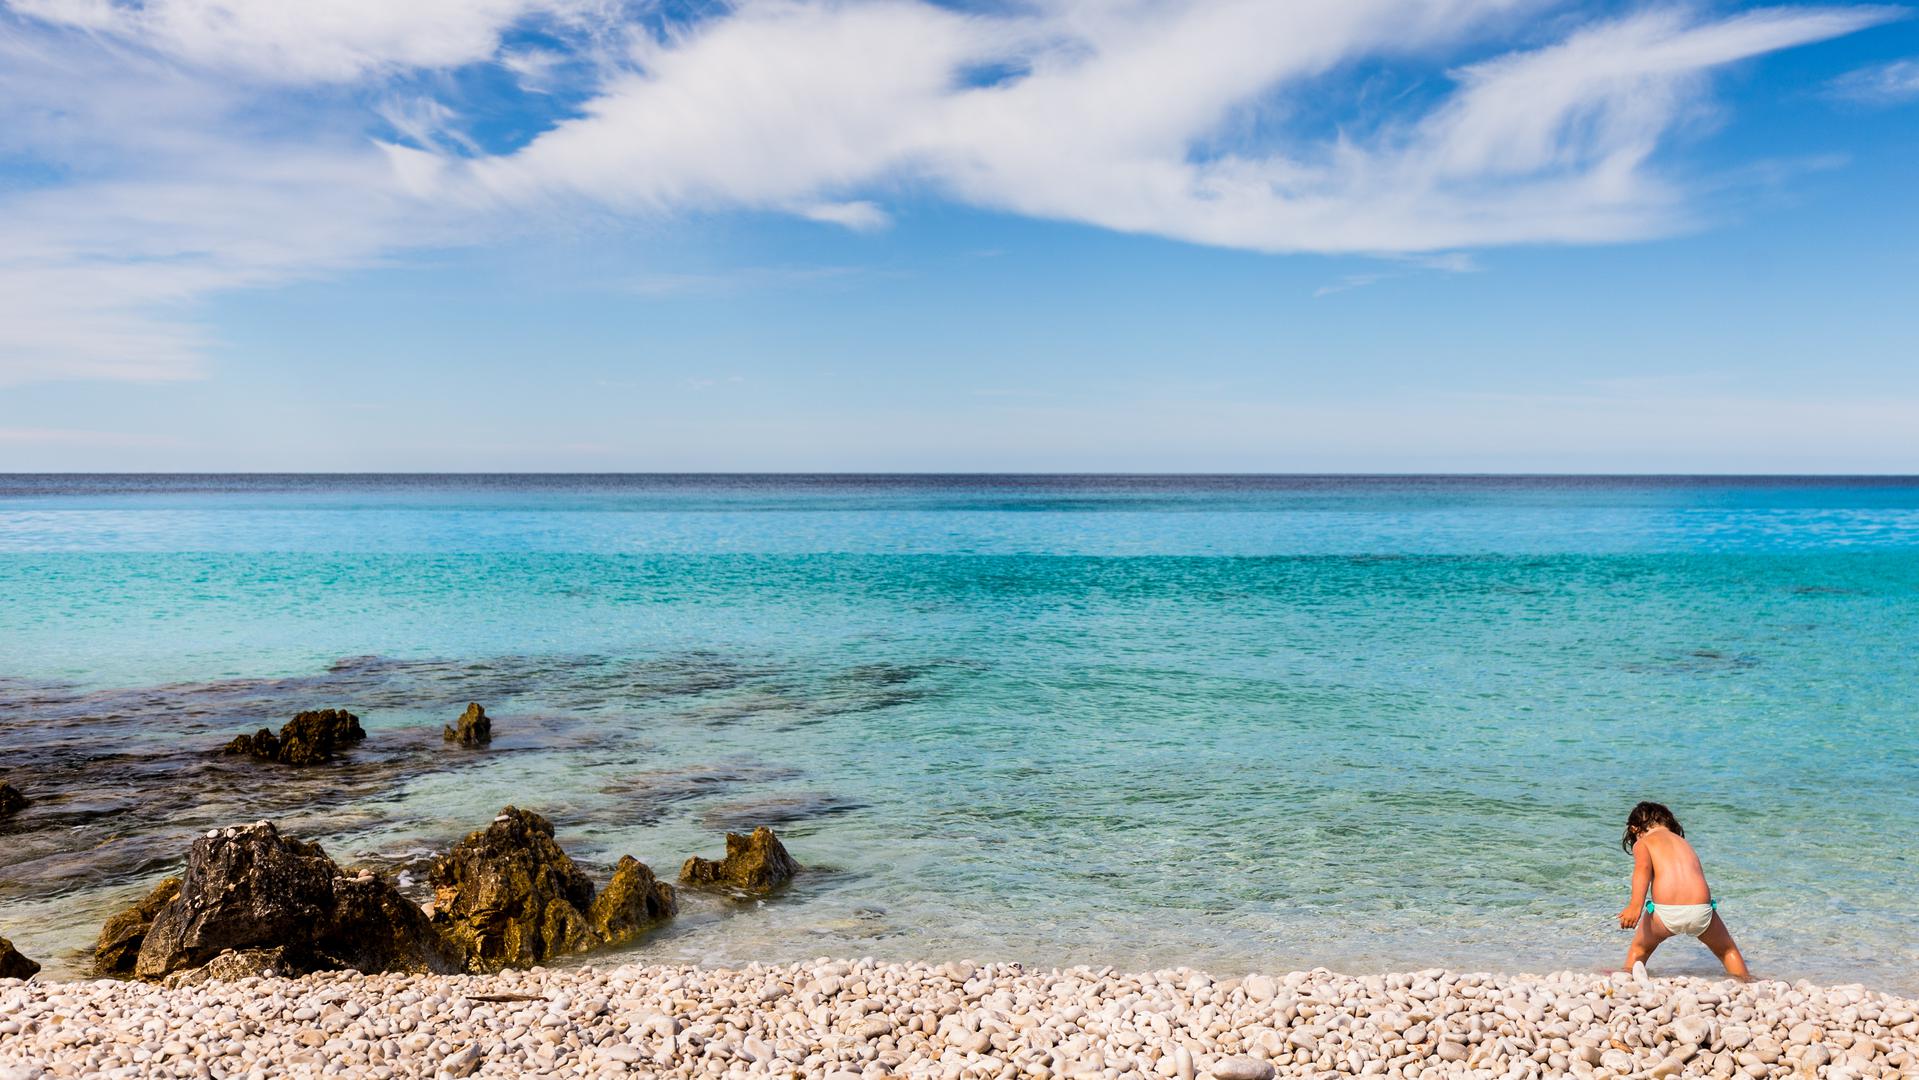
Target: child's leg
1719, 940
1651, 932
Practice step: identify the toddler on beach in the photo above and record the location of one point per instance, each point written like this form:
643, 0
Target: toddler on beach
1669, 892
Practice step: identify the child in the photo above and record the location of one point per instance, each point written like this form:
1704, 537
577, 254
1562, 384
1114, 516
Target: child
1669, 889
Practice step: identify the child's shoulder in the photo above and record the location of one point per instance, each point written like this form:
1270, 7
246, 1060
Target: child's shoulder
1665, 840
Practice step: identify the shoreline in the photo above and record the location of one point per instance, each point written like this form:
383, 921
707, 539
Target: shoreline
840, 1019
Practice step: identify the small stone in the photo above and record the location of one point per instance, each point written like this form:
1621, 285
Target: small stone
1259, 988
1692, 1029
1242, 1068
461, 1062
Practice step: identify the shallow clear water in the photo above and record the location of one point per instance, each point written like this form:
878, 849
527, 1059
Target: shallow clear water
1369, 723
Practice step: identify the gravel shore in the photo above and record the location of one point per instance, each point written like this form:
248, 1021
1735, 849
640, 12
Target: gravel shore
846, 1019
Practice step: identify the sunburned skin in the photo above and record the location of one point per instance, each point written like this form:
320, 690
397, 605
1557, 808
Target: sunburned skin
1664, 863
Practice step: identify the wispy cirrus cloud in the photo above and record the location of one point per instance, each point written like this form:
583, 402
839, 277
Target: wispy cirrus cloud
1108, 123
335, 41
168, 150
1893, 83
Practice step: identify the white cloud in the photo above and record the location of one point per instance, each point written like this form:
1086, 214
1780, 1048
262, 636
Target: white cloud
186, 147
784, 103
1893, 83
164, 198
859, 215
299, 41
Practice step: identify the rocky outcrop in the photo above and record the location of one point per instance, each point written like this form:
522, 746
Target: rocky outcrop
10, 799
632, 903
249, 888
120, 938
308, 739
253, 900
508, 896
753, 864
13, 965
473, 728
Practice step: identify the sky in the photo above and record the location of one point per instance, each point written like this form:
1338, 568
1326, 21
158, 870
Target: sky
900, 235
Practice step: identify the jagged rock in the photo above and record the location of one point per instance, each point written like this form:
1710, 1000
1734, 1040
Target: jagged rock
120, 938
508, 896
632, 903
249, 888
13, 965
474, 727
308, 739
10, 799
753, 863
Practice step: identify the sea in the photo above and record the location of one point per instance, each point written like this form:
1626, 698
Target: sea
1234, 723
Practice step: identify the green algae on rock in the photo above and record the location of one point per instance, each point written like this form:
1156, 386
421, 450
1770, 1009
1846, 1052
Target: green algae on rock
753, 864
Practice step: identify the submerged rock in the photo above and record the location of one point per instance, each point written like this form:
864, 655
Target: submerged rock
249, 888
473, 728
13, 965
10, 799
508, 896
120, 938
755, 863
309, 738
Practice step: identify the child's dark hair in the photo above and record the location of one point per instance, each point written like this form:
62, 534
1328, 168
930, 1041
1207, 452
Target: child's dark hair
1648, 815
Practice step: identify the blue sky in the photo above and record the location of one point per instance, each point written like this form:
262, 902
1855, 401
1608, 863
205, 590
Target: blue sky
1153, 235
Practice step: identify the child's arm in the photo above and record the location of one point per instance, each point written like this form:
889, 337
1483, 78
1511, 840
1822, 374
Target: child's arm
1641, 881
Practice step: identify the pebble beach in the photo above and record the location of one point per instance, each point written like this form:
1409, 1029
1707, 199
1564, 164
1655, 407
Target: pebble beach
838, 1020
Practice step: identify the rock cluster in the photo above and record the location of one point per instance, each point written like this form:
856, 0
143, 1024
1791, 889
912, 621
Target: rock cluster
10, 799
13, 965
508, 896
310, 738
753, 864
863, 1020
253, 901
473, 728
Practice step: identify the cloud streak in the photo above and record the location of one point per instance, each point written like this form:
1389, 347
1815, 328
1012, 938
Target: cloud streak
1893, 83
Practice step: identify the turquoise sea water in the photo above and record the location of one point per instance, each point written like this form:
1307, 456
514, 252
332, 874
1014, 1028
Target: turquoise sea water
1366, 723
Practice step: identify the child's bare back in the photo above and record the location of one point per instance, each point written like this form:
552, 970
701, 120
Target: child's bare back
1669, 891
